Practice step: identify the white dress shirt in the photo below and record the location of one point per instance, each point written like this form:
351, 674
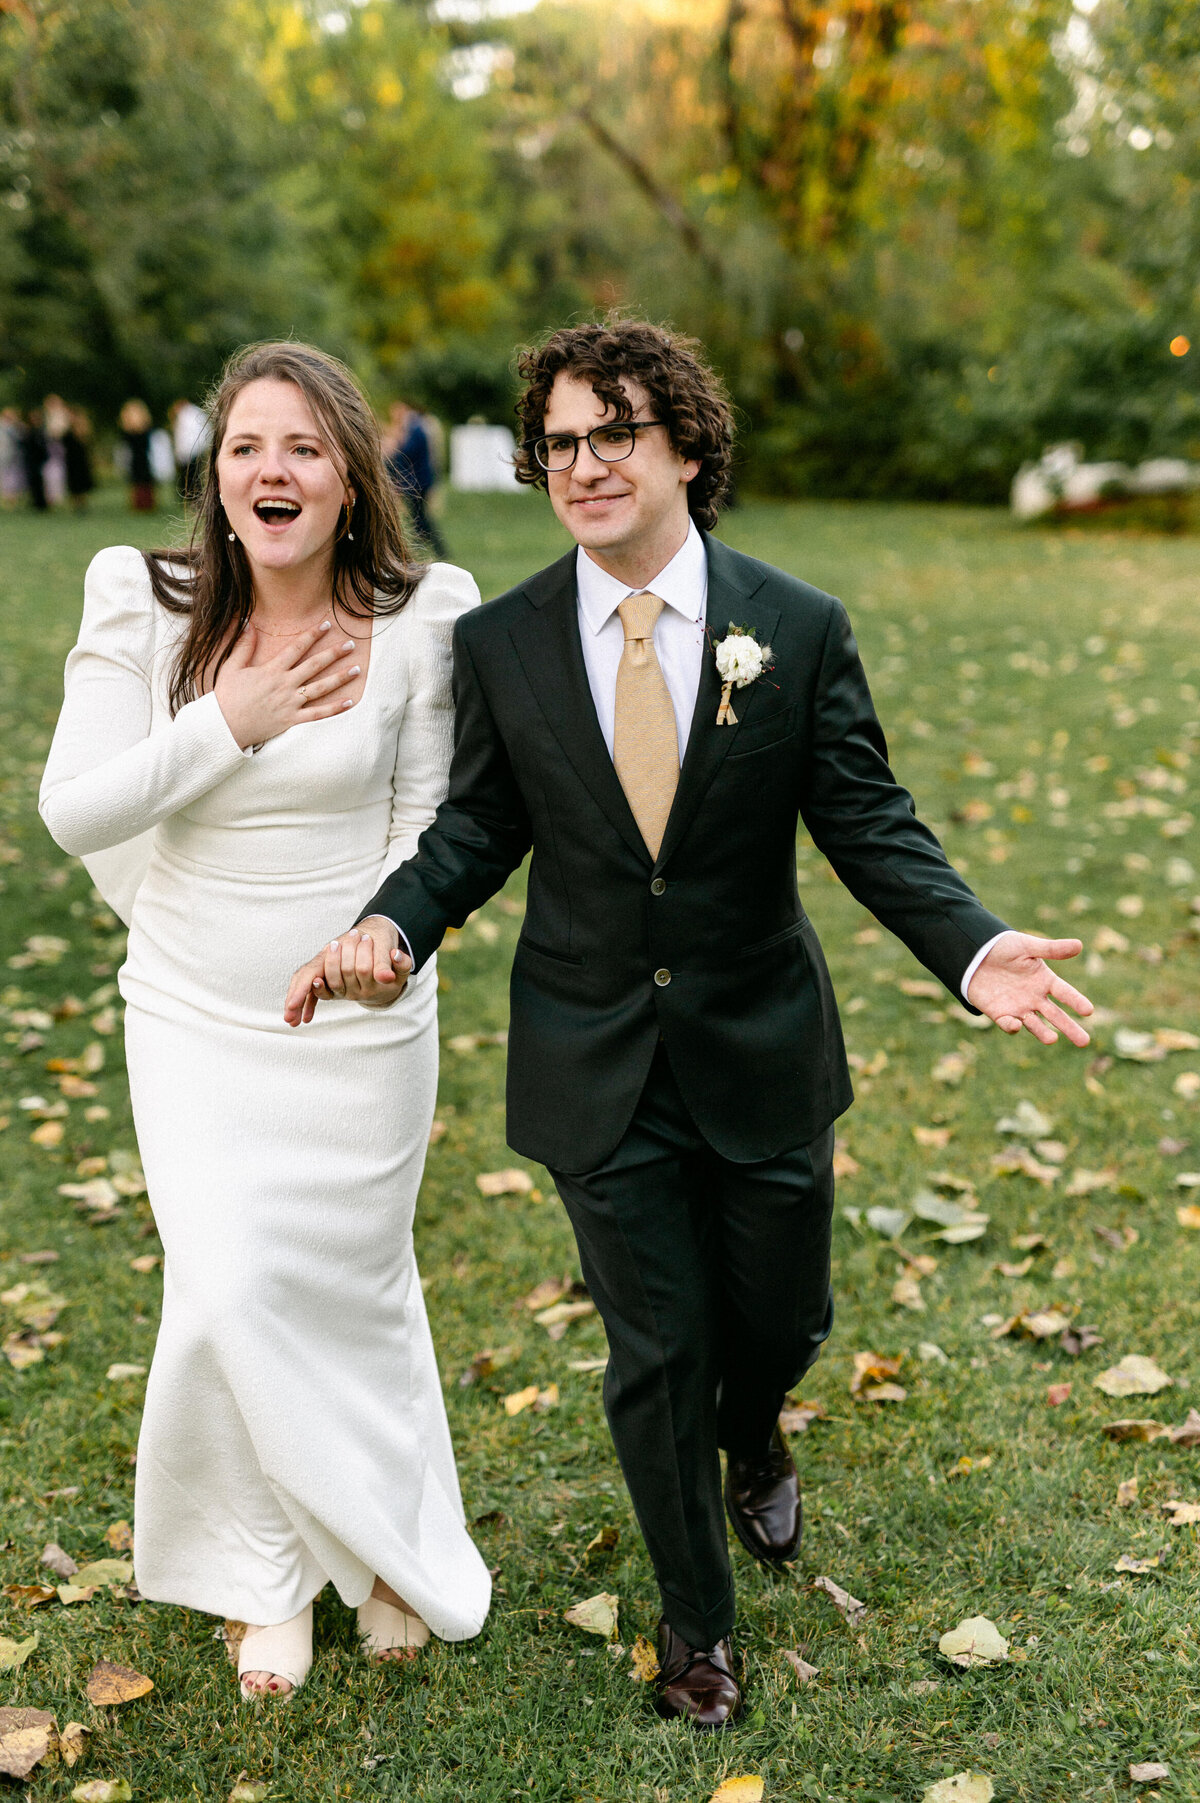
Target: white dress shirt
678, 642
678, 633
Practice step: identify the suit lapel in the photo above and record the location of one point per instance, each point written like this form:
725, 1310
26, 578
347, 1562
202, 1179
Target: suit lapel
733, 585
546, 641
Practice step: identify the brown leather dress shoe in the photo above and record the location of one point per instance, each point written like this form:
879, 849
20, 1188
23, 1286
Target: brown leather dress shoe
695, 1682
762, 1498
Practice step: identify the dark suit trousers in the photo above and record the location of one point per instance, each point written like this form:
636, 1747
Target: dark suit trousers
712, 1279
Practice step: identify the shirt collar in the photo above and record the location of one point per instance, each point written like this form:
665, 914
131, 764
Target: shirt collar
682, 584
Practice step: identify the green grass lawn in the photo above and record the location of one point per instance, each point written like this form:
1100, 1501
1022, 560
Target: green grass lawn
1041, 692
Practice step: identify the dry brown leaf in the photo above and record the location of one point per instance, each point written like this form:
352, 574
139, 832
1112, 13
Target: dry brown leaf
546, 1293
906, 1293
935, 1138
1183, 1514
849, 1605
799, 1664
117, 1373
1151, 1771
871, 1371
844, 1164
976, 1641
29, 1596
1127, 1491
1057, 1394
799, 1418
504, 1183
119, 1536
1038, 1324
1054, 1151
953, 1066
27, 1736
61, 1563
745, 1789
487, 1362
1131, 1429
1132, 1376
1021, 1269
644, 1660
1086, 1183
561, 1312
1187, 1433
602, 1542
145, 1262
48, 1135
109, 1684
1019, 1161
72, 1742
596, 1615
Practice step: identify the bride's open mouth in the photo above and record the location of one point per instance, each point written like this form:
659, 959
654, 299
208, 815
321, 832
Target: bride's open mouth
277, 512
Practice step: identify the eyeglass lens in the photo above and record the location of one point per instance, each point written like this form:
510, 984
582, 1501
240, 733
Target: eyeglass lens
609, 443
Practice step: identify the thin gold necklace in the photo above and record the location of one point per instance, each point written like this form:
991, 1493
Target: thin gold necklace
267, 633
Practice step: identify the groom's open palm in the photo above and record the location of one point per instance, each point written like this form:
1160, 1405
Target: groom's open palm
1015, 987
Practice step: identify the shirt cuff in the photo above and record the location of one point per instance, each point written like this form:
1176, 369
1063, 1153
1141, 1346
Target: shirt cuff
972, 967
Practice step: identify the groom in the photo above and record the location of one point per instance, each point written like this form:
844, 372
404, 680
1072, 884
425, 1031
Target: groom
675, 1056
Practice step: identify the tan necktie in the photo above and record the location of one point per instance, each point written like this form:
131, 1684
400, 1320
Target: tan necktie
645, 740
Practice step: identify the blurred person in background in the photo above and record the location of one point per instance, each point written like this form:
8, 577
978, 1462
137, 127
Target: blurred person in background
12, 463
33, 455
135, 424
57, 417
191, 433
77, 451
411, 468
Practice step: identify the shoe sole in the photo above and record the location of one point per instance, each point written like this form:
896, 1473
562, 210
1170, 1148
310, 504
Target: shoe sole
773, 1561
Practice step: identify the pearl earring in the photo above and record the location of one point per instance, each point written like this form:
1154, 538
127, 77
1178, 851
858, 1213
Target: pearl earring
232, 536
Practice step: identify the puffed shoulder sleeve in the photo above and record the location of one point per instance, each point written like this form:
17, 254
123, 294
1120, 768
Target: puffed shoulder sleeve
113, 771
426, 737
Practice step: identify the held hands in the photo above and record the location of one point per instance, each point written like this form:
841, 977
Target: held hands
364, 965
1015, 988
262, 700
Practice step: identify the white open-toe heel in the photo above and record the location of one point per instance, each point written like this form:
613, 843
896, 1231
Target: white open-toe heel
285, 1651
383, 1628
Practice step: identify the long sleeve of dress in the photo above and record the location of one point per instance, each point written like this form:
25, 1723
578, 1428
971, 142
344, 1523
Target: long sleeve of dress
426, 738
113, 773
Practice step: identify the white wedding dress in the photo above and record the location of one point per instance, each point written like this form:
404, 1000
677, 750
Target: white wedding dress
294, 1429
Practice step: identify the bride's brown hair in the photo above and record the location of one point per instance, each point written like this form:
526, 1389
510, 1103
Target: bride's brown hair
209, 581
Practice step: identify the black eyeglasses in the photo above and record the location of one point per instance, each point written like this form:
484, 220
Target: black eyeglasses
557, 451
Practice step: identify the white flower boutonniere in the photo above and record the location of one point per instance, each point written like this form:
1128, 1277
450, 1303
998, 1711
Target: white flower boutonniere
741, 660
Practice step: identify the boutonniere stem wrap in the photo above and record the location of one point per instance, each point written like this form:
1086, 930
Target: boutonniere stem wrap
741, 660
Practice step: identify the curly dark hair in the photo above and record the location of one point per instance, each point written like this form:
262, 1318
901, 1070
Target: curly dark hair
687, 395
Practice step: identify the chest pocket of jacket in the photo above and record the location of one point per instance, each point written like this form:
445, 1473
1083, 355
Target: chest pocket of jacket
762, 734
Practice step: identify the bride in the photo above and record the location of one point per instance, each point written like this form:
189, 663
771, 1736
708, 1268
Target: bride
254, 732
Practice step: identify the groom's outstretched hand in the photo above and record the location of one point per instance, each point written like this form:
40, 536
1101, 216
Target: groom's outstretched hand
1015, 987
364, 965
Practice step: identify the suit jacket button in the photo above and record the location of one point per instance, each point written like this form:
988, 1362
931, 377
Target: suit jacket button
658, 886
662, 978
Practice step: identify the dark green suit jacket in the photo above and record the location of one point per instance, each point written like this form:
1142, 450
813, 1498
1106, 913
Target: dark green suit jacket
707, 945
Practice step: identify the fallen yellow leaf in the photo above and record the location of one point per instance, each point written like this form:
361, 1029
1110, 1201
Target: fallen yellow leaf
976, 1641
1132, 1376
110, 1684
739, 1790
103, 1790
644, 1660
1127, 1491
1183, 1514
595, 1615
119, 1536
520, 1399
71, 1742
1188, 1215
14, 1653
964, 1787
504, 1183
